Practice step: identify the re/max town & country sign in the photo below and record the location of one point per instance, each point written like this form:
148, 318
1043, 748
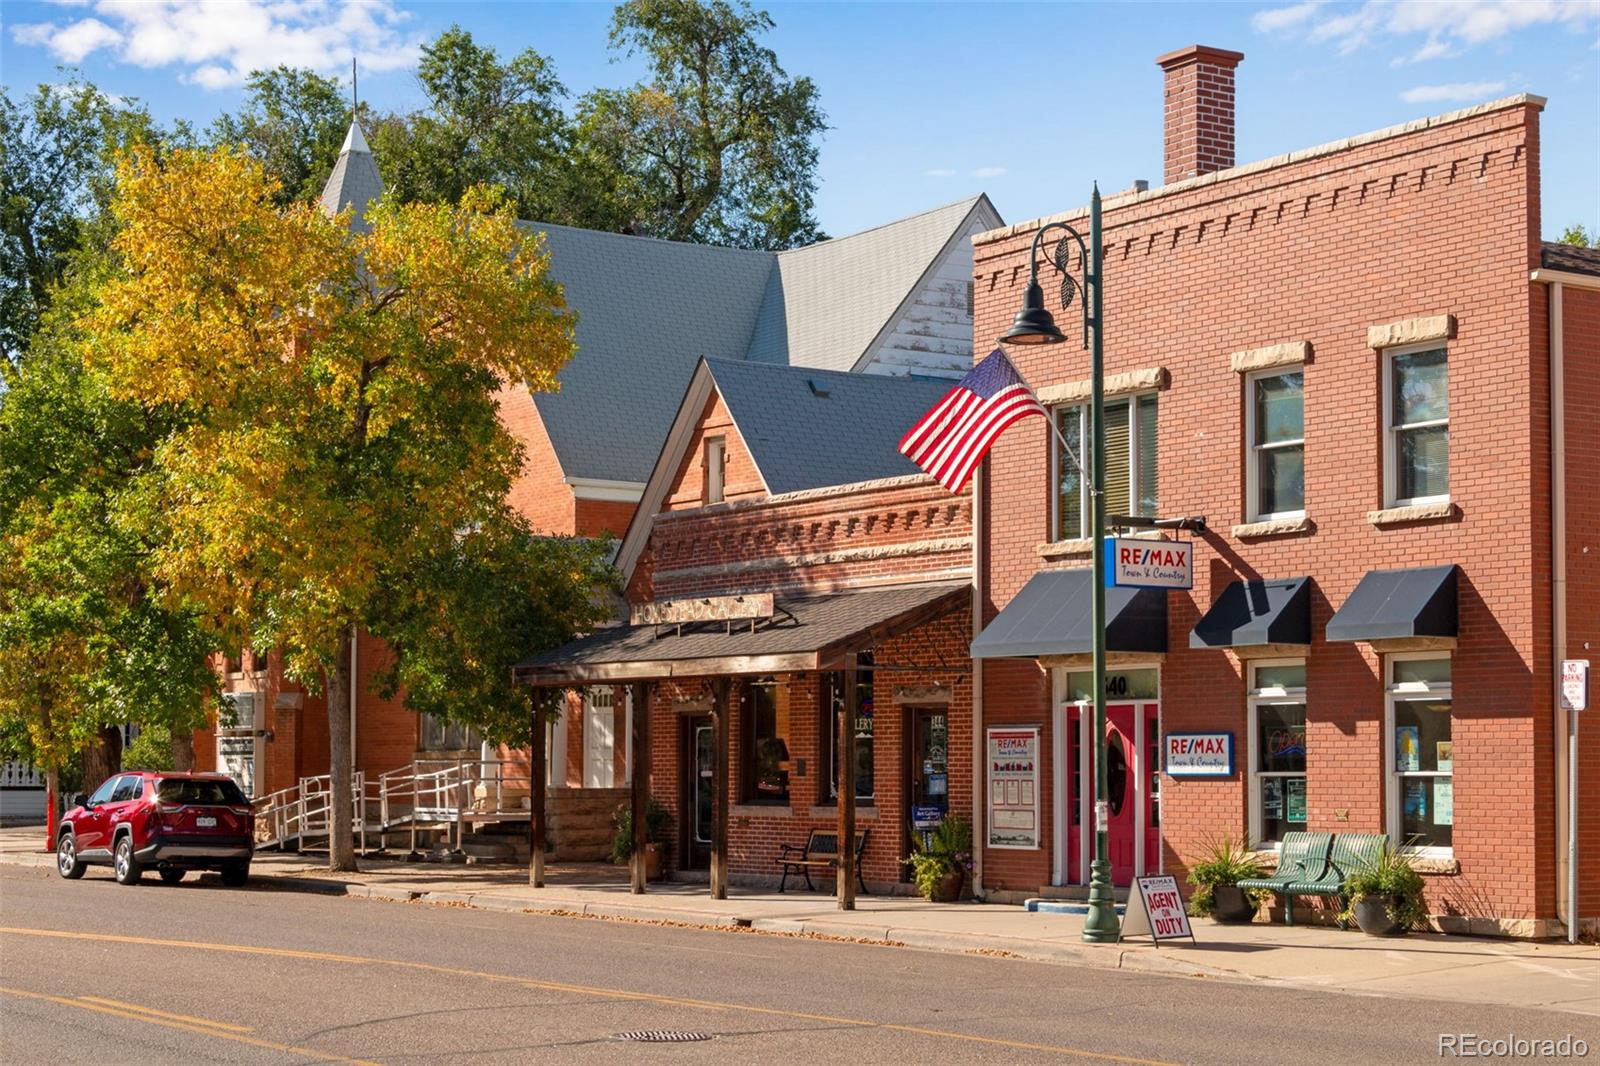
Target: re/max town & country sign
1132, 562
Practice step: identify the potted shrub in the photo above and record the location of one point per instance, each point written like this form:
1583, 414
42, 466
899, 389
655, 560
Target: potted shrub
940, 869
1216, 878
1385, 898
657, 822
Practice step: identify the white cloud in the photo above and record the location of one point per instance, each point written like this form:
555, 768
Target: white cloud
940, 172
217, 43
1453, 92
988, 172
1446, 25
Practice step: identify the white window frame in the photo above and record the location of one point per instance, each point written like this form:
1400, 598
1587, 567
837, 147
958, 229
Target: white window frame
1393, 693
1391, 431
1252, 473
1257, 697
1056, 458
716, 465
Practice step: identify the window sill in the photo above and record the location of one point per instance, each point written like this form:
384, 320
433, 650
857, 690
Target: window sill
760, 810
1274, 527
1440, 864
1083, 546
864, 809
1441, 510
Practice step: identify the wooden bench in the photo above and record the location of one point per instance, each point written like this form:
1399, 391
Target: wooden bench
1302, 859
820, 852
1352, 852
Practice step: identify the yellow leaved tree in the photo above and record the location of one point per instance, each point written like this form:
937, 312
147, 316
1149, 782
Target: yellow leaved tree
341, 385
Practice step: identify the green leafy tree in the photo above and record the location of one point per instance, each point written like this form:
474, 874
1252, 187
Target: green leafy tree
293, 122
57, 156
487, 122
719, 146
1579, 237
342, 387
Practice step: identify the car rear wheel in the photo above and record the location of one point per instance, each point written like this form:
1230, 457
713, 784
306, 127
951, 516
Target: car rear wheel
172, 876
123, 864
235, 874
67, 862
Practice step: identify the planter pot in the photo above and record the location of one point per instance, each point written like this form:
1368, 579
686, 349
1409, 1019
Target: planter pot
949, 887
1230, 905
655, 862
1372, 915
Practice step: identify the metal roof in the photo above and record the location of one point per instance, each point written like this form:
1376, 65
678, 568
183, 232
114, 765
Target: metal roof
1050, 616
1253, 613
808, 429
1398, 604
808, 633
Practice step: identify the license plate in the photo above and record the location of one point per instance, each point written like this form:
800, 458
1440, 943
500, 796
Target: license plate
205, 822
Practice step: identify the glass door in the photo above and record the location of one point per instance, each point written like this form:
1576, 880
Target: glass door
699, 779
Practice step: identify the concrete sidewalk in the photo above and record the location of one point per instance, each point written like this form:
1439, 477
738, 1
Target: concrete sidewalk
1461, 969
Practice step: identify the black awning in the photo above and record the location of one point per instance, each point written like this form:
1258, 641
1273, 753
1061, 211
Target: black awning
1250, 613
810, 632
1399, 604
1050, 616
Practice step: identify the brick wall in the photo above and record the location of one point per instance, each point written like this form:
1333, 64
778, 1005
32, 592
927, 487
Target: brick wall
540, 492
1442, 219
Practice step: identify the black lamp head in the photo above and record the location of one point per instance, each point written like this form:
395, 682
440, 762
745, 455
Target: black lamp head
1033, 324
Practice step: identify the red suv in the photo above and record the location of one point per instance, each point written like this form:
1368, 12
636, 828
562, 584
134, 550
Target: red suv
171, 822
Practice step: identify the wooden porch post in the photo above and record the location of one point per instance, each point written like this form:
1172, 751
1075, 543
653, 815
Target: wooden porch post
846, 776
536, 790
639, 784
723, 710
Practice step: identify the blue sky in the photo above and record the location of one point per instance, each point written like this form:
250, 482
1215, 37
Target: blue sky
928, 102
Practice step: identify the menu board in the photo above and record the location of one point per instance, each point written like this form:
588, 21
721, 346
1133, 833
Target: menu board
1013, 769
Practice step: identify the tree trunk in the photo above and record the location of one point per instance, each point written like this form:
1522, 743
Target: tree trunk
182, 749
102, 759
341, 839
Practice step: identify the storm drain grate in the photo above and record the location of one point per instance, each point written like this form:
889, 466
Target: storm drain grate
662, 1036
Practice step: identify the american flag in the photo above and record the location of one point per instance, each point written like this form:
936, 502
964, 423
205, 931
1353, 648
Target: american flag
952, 438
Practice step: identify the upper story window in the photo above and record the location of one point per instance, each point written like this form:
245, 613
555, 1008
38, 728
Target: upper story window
1416, 426
716, 463
1131, 463
1275, 477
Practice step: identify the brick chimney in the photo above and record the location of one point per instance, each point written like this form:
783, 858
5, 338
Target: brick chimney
1199, 120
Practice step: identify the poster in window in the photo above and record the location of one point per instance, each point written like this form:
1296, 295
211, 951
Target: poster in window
1407, 749
1294, 799
1415, 801
1441, 750
1271, 798
1013, 780
1444, 801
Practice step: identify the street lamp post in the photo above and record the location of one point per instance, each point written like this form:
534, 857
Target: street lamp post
1035, 324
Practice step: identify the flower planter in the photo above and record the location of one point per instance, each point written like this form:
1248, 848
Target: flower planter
949, 887
655, 862
1231, 906
1372, 915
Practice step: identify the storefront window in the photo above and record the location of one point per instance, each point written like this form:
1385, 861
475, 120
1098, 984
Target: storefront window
1422, 788
1277, 750
833, 701
766, 750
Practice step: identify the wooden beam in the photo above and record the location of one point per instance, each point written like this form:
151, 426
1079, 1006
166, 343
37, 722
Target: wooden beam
846, 775
639, 784
723, 711
536, 793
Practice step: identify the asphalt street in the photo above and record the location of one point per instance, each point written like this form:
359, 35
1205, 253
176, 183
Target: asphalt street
91, 971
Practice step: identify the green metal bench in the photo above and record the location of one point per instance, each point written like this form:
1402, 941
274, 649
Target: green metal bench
1302, 859
1351, 852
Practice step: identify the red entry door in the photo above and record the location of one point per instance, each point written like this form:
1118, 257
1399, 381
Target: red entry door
1123, 767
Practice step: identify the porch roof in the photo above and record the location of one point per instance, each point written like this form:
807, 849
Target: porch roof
809, 632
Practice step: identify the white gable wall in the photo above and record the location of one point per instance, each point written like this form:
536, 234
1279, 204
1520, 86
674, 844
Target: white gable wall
932, 335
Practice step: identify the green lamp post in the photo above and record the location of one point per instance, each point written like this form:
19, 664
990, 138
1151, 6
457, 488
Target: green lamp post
1035, 324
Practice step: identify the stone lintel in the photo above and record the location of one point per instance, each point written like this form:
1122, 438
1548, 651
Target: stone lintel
1291, 353
1411, 331
1154, 377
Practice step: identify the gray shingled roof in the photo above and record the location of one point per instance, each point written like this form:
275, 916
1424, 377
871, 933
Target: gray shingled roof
1570, 257
808, 428
647, 311
354, 180
813, 624
825, 303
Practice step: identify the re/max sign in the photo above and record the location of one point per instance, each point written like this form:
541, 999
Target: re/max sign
1161, 564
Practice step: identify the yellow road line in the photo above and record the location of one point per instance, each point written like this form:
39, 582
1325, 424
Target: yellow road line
205, 1029
583, 990
191, 1019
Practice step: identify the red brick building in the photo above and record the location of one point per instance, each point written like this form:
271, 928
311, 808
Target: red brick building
780, 497
1361, 364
